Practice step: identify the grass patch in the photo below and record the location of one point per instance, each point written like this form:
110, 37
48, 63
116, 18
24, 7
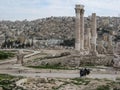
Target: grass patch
5, 55
7, 82
118, 78
103, 87
6, 76
114, 83
53, 66
80, 81
49, 67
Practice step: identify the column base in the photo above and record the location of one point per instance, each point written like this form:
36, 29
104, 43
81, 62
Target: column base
95, 53
77, 46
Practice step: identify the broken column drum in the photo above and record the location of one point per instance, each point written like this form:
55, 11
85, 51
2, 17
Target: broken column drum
20, 57
110, 47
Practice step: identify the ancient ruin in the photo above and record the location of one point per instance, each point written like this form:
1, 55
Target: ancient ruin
20, 57
54, 53
89, 48
93, 34
83, 41
79, 42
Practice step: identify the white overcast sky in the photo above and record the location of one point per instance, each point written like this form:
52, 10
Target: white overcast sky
34, 9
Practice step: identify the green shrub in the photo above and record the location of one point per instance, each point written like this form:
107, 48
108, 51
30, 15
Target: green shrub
48, 67
7, 82
103, 87
5, 55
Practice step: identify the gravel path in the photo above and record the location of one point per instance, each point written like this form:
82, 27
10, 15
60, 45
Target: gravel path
66, 75
26, 56
6, 67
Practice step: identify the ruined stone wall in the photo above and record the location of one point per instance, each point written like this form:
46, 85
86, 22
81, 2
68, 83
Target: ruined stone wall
74, 61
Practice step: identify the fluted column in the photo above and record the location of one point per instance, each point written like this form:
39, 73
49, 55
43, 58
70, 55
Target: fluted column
82, 27
77, 28
87, 39
93, 34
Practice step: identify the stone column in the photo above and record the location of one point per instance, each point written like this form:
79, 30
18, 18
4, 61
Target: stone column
87, 44
100, 48
110, 47
93, 34
20, 57
77, 28
117, 49
82, 27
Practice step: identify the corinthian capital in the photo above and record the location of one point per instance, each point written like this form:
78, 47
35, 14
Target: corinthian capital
82, 11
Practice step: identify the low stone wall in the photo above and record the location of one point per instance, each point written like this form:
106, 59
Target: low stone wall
75, 61
95, 60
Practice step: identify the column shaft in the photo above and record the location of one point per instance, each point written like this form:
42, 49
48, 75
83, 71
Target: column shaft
93, 33
87, 39
82, 28
77, 30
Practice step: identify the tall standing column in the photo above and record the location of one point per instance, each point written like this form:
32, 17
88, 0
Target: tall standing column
77, 28
93, 34
82, 27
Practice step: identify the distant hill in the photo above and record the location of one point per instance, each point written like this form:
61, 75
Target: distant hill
57, 27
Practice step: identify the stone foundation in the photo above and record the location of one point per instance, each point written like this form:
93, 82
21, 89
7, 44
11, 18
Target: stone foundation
89, 60
75, 61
